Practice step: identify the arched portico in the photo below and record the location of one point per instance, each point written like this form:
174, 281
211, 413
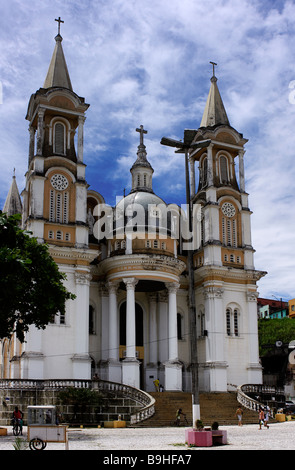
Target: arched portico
158, 291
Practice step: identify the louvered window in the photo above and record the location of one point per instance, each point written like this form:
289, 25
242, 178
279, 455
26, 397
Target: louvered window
59, 138
59, 207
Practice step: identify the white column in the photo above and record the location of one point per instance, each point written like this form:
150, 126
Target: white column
254, 369
104, 295
32, 143
173, 368
172, 330
81, 359
210, 165
40, 131
130, 365
242, 171
113, 322
80, 139
130, 317
153, 339
114, 367
163, 326
215, 373
151, 370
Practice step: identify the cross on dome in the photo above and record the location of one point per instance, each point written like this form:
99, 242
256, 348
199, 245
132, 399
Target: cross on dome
141, 131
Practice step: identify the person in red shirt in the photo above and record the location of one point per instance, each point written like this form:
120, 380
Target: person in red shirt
18, 416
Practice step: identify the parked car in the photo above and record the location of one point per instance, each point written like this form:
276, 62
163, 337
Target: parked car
289, 407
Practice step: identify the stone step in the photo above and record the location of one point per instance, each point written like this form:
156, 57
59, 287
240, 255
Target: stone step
220, 407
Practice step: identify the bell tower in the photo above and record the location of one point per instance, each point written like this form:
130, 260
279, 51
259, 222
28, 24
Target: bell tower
56, 191
225, 277
220, 190
55, 211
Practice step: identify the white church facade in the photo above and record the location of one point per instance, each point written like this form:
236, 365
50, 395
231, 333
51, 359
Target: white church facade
130, 321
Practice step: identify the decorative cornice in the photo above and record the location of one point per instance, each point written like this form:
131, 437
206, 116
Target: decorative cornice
74, 254
229, 273
145, 262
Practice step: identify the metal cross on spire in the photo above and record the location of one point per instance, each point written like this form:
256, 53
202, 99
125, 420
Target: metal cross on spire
213, 65
141, 131
59, 21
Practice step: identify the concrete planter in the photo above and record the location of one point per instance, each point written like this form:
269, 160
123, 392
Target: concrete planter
205, 438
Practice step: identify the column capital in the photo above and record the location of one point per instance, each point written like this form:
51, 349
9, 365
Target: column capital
212, 291
112, 286
83, 278
81, 119
172, 287
153, 297
130, 282
41, 112
252, 296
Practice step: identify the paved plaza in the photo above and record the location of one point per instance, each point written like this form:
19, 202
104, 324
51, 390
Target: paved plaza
279, 436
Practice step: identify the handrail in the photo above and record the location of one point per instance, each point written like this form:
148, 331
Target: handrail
136, 394
251, 403
247, 401
140, 396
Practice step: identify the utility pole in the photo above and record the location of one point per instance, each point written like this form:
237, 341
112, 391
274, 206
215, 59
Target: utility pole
184, 148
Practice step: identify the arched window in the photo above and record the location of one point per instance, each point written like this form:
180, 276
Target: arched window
59, 138
223, 170
232, 321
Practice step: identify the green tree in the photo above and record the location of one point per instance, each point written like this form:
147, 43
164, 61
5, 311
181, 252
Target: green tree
31, 285
272, 330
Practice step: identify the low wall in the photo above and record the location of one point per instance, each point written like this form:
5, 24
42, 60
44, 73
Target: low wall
113, 404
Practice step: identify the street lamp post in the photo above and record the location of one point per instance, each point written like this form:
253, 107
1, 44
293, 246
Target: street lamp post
184, 148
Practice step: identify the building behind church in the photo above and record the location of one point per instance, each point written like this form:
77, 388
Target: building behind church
128, 264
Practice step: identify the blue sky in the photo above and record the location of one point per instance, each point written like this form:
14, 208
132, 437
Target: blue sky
140, 62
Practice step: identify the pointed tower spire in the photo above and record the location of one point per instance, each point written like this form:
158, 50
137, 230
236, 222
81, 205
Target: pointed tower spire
13, 204
58, 74
214, 110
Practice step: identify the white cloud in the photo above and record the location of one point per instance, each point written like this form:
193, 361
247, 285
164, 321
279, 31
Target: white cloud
147, 63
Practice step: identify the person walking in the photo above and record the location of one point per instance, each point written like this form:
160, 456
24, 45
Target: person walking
178, 416
261, 417
266, 416
157, 385
239, 415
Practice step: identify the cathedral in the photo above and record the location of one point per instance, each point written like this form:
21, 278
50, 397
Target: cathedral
128, 264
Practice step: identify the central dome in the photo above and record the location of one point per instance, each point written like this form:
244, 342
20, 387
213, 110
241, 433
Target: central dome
141, 211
